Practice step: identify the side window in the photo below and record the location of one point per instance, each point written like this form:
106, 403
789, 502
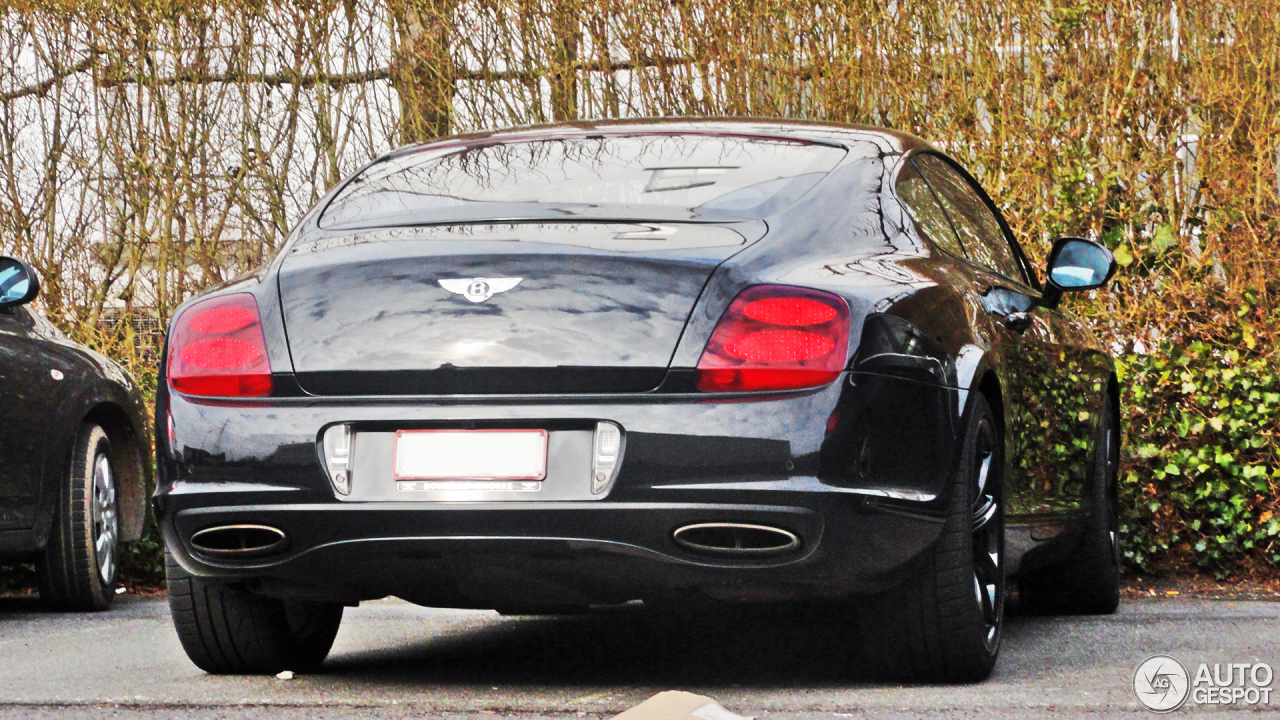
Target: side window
929, 216
978, 227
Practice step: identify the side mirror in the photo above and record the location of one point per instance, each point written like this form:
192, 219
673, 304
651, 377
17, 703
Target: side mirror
18, 282
1077, 264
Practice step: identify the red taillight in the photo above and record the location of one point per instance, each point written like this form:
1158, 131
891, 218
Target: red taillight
775, 337
224, 319
217, 348
790, 311
779, 346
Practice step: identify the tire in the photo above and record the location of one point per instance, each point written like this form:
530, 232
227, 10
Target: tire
944, 623
1088, 581
231, 632
77, 569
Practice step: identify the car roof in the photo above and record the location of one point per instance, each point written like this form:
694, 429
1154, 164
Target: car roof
888, 141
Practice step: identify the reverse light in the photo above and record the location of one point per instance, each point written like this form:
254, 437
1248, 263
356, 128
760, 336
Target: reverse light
606, 450
776, 337
218, 349
337, 457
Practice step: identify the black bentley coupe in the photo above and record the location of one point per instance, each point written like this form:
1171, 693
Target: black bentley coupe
75, 453
745, 361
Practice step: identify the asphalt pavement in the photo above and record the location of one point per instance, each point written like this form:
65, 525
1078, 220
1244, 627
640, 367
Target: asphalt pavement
395, 660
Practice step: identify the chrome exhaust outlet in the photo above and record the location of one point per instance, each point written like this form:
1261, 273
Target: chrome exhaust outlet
239, 541
736, 539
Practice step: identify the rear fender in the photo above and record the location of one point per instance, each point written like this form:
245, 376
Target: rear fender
121, 414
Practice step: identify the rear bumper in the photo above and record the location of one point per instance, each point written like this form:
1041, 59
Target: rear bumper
512, 554
859, 480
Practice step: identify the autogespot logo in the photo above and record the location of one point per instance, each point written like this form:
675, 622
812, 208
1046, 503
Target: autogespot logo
1163, 684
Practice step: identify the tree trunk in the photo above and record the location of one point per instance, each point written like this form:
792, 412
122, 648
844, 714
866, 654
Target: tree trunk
566, 27
421, 70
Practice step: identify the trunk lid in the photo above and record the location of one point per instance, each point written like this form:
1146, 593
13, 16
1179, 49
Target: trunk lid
531, 308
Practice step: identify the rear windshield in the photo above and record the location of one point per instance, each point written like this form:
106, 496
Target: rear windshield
641, 177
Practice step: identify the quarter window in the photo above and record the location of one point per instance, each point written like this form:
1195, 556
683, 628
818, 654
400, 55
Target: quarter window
931, 221
980, 232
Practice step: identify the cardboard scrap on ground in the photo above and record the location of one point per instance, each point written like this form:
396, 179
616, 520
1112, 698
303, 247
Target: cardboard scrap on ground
677, 705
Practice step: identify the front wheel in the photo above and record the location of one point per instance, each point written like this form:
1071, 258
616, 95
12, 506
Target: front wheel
944, 623
231, 632
77, 570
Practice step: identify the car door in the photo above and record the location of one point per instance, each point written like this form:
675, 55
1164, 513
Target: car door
25, 387
996, 298
1053, 400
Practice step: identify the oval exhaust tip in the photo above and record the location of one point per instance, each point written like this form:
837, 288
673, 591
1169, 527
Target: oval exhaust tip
239, 541
736, 539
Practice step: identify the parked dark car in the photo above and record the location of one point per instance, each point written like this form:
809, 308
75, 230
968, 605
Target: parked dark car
75, 453
537, 370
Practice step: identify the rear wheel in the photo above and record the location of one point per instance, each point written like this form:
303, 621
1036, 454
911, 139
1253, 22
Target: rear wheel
944, 623
77, 570
1087, 582
228, 631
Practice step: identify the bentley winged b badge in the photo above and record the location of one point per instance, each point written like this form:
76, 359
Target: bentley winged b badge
477, 290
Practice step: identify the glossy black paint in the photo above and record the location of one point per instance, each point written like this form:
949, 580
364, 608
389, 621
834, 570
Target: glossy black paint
360, 332
43, 413
580, 302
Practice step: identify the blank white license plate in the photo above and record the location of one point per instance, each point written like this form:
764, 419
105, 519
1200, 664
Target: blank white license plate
470, 455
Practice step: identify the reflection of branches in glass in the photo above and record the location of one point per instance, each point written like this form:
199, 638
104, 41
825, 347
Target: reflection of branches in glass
593, 171
611, 236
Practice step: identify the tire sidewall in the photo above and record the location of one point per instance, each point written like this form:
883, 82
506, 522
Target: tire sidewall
1102, 509
74, 520
101, 446
932, 627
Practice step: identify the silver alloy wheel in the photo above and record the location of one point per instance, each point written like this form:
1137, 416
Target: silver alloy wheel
106, 522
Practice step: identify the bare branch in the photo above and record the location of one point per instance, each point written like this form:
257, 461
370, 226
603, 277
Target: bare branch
288, 77
42, 89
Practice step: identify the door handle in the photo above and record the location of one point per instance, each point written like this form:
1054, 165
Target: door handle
1018, 321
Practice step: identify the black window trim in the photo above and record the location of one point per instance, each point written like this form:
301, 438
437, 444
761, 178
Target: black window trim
1029, 277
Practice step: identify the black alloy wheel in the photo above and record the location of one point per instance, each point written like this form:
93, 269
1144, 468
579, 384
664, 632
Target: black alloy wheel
1106, 477
943, 624
988, 532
